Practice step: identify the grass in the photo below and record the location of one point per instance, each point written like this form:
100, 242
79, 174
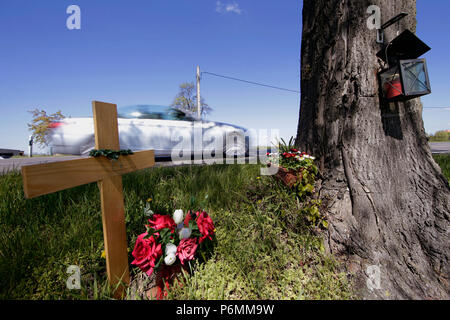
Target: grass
439, 140
444, 162
264, 250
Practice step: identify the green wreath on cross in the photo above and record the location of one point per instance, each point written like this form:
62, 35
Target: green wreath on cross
110, 154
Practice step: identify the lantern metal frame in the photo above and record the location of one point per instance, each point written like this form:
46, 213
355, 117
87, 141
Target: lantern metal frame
405, 49
406, 92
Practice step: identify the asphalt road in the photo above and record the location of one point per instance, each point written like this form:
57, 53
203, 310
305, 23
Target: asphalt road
7, 165
440, 147
11, 164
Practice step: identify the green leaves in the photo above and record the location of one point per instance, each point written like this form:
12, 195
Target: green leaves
165, 235
286, 147
194, 227
40, 124
110, 154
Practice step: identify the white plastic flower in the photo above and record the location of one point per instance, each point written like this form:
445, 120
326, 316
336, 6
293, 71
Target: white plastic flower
185, 233
170, 259
178, 216
171, 249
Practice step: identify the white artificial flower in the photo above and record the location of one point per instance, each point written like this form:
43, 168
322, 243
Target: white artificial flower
171, 249
185, 233
170, 259
178, 216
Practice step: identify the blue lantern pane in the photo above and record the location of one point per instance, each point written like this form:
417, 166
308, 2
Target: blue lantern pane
414, 77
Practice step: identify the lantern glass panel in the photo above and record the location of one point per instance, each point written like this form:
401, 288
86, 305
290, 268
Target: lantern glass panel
415, 77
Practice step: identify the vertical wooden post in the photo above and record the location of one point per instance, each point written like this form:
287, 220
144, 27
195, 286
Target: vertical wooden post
113, 212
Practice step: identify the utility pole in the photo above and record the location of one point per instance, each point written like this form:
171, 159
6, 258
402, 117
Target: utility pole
30, 146
199, 110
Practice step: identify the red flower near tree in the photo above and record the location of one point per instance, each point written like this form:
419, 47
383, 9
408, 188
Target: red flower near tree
189, 216
205, 226
160, 221
146, 252
186, 249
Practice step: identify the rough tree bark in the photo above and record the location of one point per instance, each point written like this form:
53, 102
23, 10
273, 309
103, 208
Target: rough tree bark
386, 199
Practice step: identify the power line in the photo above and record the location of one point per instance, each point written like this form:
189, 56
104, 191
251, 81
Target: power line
251, 82
279, 88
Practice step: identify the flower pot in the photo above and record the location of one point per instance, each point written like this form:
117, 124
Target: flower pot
166, 277
288, 177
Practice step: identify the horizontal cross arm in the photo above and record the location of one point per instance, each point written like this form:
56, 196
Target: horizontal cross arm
46, 178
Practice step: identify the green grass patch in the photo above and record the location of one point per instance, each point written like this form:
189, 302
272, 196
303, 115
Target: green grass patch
444, 162
264, 249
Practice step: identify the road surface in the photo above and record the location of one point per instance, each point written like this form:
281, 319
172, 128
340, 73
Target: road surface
440, 147
11, 164
7, 165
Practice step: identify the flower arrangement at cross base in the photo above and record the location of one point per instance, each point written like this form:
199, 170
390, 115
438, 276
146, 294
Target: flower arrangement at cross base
170, 243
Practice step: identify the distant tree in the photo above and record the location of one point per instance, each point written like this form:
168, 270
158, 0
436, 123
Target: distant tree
39, 125
440, 136
186, 99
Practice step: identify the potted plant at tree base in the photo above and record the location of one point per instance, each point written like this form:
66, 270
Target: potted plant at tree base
289, 177
168, 246
295, 168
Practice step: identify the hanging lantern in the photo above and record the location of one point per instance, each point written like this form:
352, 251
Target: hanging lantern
406, 80
407, 77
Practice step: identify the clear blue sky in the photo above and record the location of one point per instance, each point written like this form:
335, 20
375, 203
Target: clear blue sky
139, 51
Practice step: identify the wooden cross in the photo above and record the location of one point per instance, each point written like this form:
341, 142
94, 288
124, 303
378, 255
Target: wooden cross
51, 177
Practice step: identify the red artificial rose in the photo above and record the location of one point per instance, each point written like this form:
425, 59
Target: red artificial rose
160, 221
289, 155
186, 249
146, 252
294, 150
205, 226
190, 216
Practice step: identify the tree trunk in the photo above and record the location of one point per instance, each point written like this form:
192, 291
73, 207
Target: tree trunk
386, 199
